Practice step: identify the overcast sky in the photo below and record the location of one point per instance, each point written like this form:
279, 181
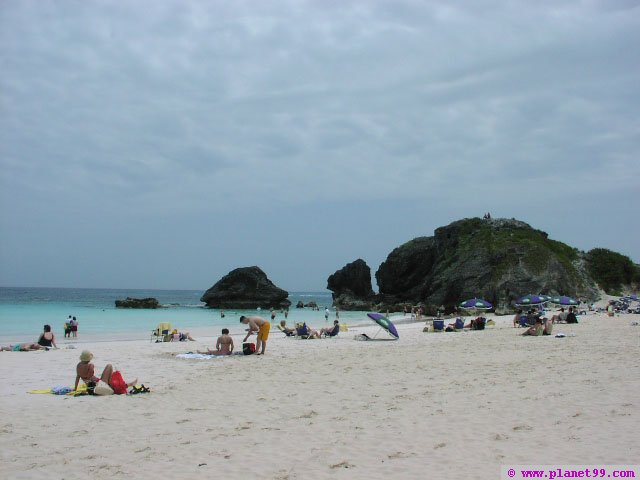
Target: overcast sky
161, 144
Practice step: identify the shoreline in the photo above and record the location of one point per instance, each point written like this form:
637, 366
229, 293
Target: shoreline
454, 405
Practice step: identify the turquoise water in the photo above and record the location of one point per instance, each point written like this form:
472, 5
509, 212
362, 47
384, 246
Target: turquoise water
24, 311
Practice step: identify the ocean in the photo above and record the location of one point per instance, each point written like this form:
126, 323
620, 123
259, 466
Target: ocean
24, 312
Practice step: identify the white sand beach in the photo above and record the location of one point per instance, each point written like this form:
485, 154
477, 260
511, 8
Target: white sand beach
431, 405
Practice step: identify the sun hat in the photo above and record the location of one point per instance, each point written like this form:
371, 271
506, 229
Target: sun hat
86, 356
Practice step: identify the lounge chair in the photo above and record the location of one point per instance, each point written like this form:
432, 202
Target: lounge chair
459, 325
288, 333
333, 333
438, 325
303, 332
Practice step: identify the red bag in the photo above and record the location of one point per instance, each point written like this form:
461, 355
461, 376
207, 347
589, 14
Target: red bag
117, 383
248, 348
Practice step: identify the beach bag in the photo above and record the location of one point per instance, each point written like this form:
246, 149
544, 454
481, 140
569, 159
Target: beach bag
102, 389
117, 383
248, 348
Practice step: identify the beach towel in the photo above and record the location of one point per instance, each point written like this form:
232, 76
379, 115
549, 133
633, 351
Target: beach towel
199, 356
61, 390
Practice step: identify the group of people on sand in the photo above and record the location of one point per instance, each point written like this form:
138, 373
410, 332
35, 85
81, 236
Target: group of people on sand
46, 341
538, 324
258, 325
310, 332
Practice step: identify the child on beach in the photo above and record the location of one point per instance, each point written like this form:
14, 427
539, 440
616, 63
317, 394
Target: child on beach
259, 325
85, 371
224, 345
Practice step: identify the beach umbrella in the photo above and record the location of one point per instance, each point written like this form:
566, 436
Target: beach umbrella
385, 323
546, 298
476, 303
529, 300
563, 300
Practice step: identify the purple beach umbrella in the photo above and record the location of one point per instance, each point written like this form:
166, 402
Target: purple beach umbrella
385, 323
477, 303
563, 300
529, 300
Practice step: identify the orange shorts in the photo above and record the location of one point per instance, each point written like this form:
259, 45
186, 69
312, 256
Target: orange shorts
263, 333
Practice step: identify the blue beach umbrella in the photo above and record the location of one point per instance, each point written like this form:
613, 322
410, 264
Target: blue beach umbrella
477, 303
385, 323
563, 300
529, 301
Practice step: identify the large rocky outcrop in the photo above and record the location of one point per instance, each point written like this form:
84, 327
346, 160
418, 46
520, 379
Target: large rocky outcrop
137, 303
245, 288
351, 286
495, 259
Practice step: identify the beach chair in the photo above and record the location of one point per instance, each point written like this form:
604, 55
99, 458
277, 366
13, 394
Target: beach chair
287, 333
302, 331
438, 325
333, 333
523, 321
162, 333
459, 324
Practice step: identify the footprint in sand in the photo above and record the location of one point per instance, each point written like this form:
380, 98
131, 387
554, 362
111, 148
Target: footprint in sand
522, 427
344, 464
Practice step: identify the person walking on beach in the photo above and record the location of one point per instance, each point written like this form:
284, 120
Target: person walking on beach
337, 314
262, 327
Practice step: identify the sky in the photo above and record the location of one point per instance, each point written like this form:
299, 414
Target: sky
162, 144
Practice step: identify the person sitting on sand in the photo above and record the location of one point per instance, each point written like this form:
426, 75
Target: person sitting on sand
516, 318
329, 330
224, 345
561, 317
536, 330
47, 338
259, 325
85, 371
477, 323
571, 316
548, 326
181, 337
23, 347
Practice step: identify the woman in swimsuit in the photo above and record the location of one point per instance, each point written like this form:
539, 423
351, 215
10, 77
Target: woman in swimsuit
85, 371
47, 338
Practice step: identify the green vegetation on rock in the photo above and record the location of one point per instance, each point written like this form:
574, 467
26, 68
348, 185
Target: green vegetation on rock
612, 270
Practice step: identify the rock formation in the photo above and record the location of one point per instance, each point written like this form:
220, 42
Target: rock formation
351, 286
137, 303
245, 288
496, 259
